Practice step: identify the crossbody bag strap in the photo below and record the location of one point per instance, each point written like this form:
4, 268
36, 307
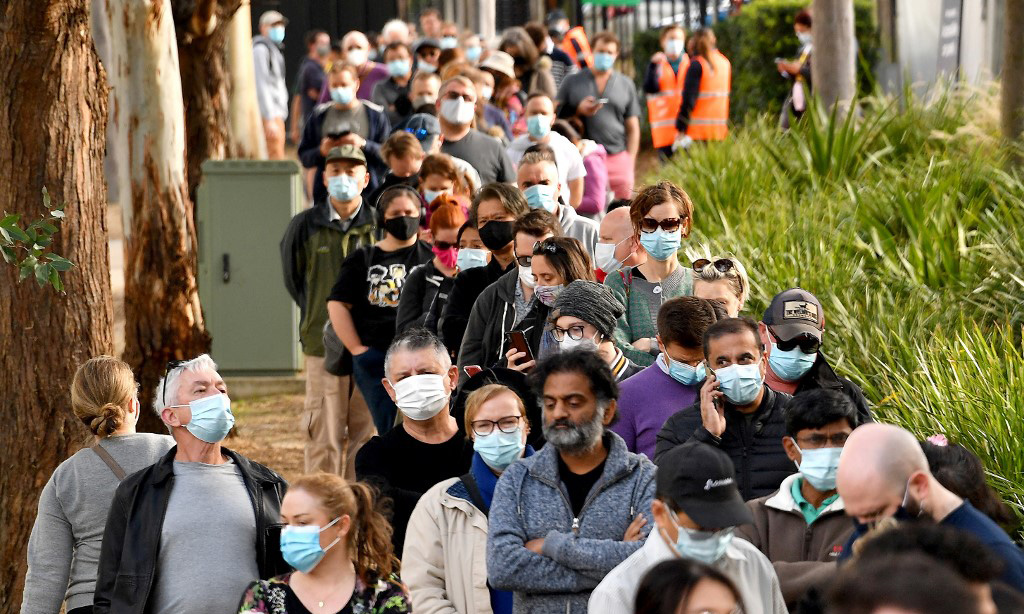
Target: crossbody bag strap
474, 493
105, 456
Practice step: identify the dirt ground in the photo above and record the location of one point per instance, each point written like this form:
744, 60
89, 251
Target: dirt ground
267, 431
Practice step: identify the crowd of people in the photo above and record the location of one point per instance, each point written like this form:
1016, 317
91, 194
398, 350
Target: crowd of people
521, 395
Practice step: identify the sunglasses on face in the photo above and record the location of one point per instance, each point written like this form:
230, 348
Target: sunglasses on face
669, 224
443, 245
524, 261
722, 265
836, 440
806, 343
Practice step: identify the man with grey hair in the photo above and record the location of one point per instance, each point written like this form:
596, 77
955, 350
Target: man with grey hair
883, 473
427, 447
189, 533
563, 518
395, 31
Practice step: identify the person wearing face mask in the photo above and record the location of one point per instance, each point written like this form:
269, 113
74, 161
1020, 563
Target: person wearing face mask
316, 243
448, 529
456, 107
883, 473
662, 216
310, 80
472, 254
356, 53
490, 119
428, 54
652, 396
617, 246
493, 213
736, 412
802, 527
573, 41
798, 71
393, 93
64, 548
269, 72
704, 111
663, 85
337, 540
696, 510
510, 303
537, 177
363, 304
427, 447
540, 115
346, 120
439, 176
473, 47
792, 329
202, 517
563, 518
431, 282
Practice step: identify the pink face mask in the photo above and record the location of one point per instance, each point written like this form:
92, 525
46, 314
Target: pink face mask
448, 257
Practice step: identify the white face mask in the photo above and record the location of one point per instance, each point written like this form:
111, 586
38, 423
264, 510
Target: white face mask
421, 397
458, 111
486, 92
604, 256
355, 57
526, 277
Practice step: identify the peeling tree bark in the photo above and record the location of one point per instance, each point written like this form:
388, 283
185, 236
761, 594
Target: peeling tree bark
163, 317
53, 116
247, 138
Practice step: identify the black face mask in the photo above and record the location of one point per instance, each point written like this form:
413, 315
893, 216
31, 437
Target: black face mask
496, 235
402, 228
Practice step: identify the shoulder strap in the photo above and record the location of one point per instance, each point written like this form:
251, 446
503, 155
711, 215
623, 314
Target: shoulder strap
474, 493
105, 456
627, 283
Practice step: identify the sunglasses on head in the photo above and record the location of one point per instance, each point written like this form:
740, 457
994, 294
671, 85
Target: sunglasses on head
442, 245
171, 366
547, 245
807, 343
669, 224
722, 265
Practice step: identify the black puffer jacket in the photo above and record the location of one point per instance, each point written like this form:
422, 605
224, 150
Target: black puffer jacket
131, 540
754, 442
823, 376
468, 287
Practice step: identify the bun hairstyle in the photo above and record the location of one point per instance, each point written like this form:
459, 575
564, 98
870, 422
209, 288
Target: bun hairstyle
101, 394
369, 539
445, 212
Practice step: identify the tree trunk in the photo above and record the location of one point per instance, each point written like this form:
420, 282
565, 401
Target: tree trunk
247, 139
163, 318
53, 125
834, 67
1013, 72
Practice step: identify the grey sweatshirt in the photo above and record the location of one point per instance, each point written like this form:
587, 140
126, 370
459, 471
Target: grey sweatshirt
64, 548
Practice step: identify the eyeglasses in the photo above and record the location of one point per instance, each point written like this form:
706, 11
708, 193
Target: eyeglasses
575, 332
171, 366
547, 245
507, 425
722, 265
524, 261
443, 245
836, 440
669, 224
808, 344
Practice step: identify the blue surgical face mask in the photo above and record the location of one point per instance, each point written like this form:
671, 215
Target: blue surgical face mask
704, 546
805, 38
661, 244
300, 545
342, 188
682, 372
819, 466
538, 125
398, 68
470, 258
603, 61
499, 450
276, 34
449, 42
473, 53
792, 365
211, 418
430, 195
342, 95
740, 383
541, 196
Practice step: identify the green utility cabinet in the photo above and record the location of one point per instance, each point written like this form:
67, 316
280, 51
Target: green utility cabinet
244, 207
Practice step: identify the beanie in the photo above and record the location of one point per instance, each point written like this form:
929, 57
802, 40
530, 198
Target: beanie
591, 302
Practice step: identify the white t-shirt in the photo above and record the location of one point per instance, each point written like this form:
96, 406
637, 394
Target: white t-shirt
567, 157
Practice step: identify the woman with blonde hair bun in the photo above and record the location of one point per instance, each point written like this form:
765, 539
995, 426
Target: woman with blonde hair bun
64, 549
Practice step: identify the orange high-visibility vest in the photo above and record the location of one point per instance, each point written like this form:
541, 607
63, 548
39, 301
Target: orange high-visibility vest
575, 44
663, 106
710, 116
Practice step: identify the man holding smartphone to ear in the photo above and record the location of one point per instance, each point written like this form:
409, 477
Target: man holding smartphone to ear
736, 411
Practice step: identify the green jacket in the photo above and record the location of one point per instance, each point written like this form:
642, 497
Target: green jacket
312, 251
640, 320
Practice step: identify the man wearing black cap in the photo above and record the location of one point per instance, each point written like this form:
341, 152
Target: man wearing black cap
792, 330
696, 510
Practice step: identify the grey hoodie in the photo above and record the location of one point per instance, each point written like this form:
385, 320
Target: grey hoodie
585, 230
530, 502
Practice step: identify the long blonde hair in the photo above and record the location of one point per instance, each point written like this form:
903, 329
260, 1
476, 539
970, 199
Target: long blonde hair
369, 540
102, 392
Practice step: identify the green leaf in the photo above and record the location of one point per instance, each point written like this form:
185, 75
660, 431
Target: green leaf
10, 220
25, 272
18, 234
45, 226
55, 280
6, 235
42, 271
59, 263
46, 198
9, 256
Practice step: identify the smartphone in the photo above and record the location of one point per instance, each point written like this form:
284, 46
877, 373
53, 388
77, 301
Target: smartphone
472, 370
602, 101
516, 339
338, 135
718, 401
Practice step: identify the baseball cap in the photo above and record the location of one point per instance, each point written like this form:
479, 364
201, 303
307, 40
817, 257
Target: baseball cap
795, 312
271, 17
424, 127
701, 480
346, 152
501, 62
425, 42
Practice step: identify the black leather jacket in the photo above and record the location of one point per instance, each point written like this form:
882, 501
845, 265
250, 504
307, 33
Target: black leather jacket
131, 540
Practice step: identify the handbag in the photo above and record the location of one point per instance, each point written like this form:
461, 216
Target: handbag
337, 359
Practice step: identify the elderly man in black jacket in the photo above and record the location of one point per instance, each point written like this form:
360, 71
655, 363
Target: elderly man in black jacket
189, 533
736, 411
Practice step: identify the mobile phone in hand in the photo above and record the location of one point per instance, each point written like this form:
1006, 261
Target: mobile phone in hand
517, 340
602, 101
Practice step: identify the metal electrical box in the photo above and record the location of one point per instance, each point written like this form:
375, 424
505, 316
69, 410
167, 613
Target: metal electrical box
244, 207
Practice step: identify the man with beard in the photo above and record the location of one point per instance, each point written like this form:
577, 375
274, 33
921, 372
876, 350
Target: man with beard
883, 473
563, 518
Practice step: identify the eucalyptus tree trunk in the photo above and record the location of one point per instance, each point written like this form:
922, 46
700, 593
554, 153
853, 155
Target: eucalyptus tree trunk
247, 138
834, 67
1013, 73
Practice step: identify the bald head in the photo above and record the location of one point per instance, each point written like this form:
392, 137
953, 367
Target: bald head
616, 226
876, 464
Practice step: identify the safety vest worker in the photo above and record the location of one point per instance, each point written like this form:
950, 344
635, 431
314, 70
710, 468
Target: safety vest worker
663, 85
708, 121
575, 43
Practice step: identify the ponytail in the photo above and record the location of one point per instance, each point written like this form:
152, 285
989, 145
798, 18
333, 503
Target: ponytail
372, 551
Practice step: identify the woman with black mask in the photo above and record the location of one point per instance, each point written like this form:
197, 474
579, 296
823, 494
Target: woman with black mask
494, 210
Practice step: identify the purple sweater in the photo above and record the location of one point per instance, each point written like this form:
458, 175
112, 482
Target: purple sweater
646, 401
377, 72
595, 184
